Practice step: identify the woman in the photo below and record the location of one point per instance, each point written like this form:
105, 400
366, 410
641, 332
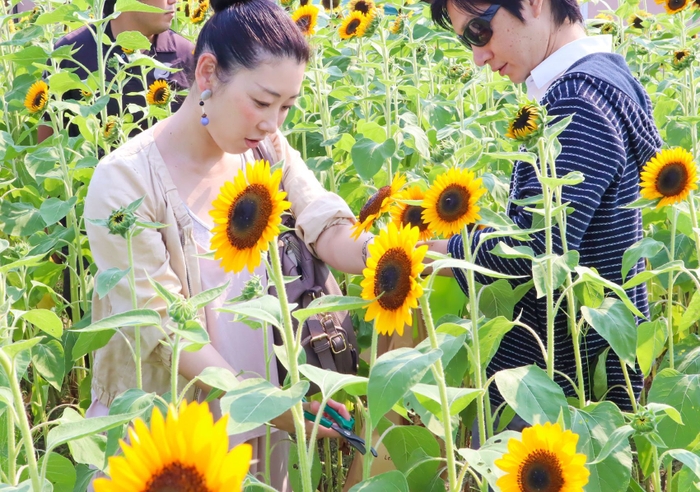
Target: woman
249, 66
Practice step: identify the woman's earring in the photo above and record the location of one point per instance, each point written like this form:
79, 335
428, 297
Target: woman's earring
206, 94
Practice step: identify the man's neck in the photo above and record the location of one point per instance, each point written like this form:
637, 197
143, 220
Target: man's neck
124, 23
565, 34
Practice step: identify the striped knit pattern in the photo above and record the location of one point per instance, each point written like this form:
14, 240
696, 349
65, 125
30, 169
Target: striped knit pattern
611, 137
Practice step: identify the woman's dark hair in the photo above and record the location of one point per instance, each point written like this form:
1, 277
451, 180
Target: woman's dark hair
242, 32
562, 10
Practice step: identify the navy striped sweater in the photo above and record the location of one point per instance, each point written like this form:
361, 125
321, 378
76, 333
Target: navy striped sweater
611, 137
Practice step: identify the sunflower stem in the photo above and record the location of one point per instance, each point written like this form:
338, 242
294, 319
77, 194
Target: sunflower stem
175, 360
657, 470
474, 312
292, 351
669, 292
367, 460
439, 374
134, 304
628, 384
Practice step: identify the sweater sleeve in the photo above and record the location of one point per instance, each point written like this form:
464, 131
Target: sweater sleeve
593, 145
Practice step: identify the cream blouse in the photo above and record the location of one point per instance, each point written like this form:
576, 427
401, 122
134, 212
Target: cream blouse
168, 255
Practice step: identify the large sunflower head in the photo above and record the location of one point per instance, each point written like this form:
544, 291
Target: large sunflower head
673, 6
670, 175
390, 278
403, 214
158, 93
305, 18
184, 451
450, 203
247, 214
37, 97
364, 6
353, 25
527, 121
377, 205
544, 461
682, 59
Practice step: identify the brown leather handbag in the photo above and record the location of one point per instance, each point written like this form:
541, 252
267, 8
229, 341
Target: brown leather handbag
328, 339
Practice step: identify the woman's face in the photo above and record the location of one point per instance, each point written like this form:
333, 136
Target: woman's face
253, 104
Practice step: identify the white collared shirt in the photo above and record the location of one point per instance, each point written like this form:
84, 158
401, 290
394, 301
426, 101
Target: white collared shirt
554, 66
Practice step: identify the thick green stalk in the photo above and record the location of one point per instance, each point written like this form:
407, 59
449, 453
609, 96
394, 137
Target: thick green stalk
174, 372
268, 430
656, 475
9, 367
439, 374
134, 305
288, 335
11, 446
669, 292
628, 384
367, 461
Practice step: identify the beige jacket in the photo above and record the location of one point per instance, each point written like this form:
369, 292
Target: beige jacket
168, 255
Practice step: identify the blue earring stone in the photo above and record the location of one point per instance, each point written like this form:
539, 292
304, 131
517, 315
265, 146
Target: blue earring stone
204, 120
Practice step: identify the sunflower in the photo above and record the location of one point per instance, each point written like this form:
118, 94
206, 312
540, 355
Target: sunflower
330, 5
638, 19
673, 6
670, 175
247, 214
403, 214
393, 265
37, 97
353, 25
364, 6
184, 451
158, 93
545, 461
110, 130
399, 24
609, 28
682, 59
121, 221
526, 122
378, 204
200, 12
305, 18
450, 203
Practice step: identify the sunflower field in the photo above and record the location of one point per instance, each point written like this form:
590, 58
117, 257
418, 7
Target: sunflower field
395, 118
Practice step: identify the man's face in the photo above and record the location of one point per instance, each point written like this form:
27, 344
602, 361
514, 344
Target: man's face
515, 47
151, 24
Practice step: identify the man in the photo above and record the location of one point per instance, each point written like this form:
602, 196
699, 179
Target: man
611, 137
167, 47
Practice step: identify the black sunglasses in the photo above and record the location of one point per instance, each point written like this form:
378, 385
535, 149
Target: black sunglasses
478, 31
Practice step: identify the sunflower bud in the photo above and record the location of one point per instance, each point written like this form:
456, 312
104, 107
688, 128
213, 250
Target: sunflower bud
644, 79
644, 421
399, 24
121, 221
455, 72
467, 75
375, 17
181, 311
110, 130
252, 289
528, 124
421, 51
442, 151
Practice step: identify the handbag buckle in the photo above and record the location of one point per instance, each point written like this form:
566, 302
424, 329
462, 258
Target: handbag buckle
345, 345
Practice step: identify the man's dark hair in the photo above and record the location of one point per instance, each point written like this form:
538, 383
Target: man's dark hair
562, 10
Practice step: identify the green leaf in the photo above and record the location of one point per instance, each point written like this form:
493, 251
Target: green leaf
48, 360
16, 348
219, 378
108, 279
193, 332
265, 308
133, 40
651, 341
646, 248
393, 374
691, 314
465, 265
24, 262
90, 449
482, 459
391, 481
45, 320
458, 399
682, 392
496, 299
330, 304
490, 335
505, 251
571, 179
89, 342
450, 339
402, 443
646, 275
52, 210
330, 382
594, 425
60, 471
295, 471
691, 460
369, 156
614, 322
135, 317
528, 157
162, 292
256, 401
204, 298
587, 275
621, 435
561, 266
20, 219
530, 392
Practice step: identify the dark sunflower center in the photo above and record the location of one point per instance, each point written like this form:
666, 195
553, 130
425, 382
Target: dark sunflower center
304, 22
676, 4
328, 4
680, 55
393, 278
352, 26
453, 203
248, 216
413, 214
541, 472
118, 218
374, 203
160, 95
177, 477
672, 179
39, 99
363, 7
522, 119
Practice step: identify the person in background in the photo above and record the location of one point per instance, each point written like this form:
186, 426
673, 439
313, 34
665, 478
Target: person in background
167, 47
612, 135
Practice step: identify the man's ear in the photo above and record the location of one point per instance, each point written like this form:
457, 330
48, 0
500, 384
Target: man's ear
205, 71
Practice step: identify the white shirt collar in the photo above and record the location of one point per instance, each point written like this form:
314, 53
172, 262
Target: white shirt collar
544, 74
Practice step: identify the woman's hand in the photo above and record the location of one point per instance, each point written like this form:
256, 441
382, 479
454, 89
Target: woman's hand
285, 421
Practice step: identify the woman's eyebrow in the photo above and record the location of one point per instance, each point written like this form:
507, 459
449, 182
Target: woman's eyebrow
275, 94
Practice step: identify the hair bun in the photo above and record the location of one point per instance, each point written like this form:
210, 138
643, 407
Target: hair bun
221, 5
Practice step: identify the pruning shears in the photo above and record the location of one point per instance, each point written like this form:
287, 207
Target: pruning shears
331, 419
